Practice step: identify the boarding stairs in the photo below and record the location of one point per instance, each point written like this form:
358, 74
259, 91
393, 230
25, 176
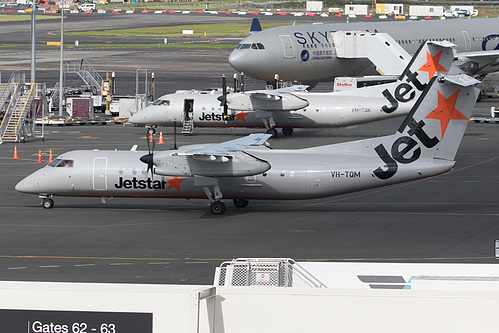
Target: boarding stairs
271, 272
380, 48
6, 91
188, 126
18, 121
13, 121
86, 72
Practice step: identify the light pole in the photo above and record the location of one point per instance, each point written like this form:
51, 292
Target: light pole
61, 79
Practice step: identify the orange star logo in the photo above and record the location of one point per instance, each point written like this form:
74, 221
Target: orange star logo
446, 110
174, 183
433, 64
241, 116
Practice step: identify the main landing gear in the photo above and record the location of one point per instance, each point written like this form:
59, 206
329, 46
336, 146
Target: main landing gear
287, 131
217, 207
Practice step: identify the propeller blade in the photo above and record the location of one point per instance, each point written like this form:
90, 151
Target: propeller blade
223, 97
149, 158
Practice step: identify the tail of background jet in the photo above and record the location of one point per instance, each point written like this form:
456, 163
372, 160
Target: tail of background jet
430, 135
255, 26
431, 59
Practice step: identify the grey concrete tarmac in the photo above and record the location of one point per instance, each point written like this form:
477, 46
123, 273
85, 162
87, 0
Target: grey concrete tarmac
450, 218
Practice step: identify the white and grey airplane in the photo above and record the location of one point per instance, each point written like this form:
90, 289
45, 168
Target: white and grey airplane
308, 53
288, 109
246, 169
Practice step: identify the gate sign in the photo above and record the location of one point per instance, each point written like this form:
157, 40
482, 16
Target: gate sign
497, 249
39, 321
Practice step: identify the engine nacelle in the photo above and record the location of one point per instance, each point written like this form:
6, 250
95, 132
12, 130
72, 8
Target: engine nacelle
238, 165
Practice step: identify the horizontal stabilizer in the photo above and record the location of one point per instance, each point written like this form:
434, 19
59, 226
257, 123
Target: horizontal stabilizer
462, 80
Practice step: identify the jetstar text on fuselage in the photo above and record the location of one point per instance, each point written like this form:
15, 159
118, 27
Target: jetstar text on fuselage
220, 117
142, 184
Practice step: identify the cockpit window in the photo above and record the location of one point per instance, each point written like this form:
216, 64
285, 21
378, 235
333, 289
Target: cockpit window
161, 102
60, 163
260, 46
254, 47
55, 162
243, 46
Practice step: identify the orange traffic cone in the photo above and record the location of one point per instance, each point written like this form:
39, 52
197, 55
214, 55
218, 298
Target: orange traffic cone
15, 154
161, 142
151, 140
50, 155
39, 156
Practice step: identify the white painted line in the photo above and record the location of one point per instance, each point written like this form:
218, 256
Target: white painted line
196, 262
159, 263
120, 264
52, 266
17, 267
84, 265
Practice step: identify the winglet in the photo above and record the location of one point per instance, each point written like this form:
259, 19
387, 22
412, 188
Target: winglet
255, 26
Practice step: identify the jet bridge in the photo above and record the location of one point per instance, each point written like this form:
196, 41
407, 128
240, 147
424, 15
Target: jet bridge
380, 48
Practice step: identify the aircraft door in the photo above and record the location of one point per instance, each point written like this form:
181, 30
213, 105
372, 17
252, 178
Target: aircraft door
188, 109
287, 46
99, 180
318, 178
467, 40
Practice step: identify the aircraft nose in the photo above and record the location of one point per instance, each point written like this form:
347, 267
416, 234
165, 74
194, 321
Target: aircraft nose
27, 185
138, 118
236, 60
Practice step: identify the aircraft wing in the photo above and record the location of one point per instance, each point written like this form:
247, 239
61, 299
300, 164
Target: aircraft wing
226, 159
222, 152
479, 54
477, 62
281, 99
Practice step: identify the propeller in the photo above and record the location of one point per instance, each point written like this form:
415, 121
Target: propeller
223, 97
149, 158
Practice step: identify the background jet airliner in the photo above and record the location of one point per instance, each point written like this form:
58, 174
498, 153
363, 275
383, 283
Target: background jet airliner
287, 109
242, 169
308, 53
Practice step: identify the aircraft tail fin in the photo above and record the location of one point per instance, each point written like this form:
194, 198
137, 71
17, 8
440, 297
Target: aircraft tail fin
255, 26
432, 131
431, 58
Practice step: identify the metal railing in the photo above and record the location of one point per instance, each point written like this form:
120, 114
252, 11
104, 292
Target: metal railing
86, 72
274, 272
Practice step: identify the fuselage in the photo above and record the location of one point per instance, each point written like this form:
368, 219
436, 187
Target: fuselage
294, 174
325, 110
306, 53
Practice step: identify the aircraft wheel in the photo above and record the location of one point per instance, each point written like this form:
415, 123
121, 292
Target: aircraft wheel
272, 131
47, 203
217, 208
240, 203
287, 131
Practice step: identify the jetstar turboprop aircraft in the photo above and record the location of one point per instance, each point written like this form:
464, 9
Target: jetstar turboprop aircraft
288, 109
245, 169
309, 53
